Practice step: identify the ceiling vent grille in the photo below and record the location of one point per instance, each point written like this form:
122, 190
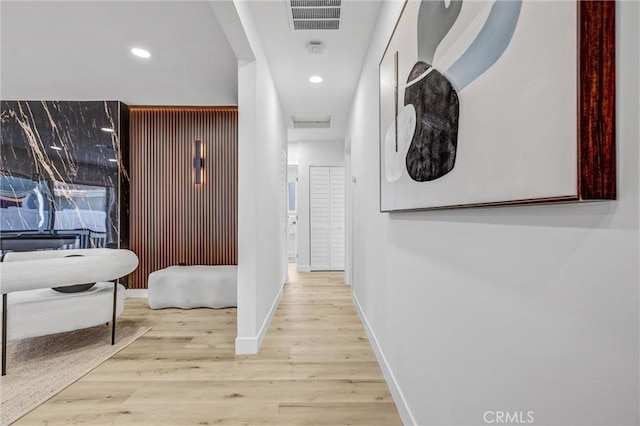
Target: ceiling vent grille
311, 121
316, 3
314, 14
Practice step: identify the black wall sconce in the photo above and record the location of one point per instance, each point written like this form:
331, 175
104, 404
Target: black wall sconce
198, 163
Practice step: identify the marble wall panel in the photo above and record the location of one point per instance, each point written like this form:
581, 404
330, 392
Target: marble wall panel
76, 156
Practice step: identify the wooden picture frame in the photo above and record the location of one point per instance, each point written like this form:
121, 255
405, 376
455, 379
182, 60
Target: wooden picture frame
591, 99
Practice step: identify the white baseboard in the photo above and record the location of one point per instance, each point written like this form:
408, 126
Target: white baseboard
251, 345
394, 388
303, 268
246, 345
136, 292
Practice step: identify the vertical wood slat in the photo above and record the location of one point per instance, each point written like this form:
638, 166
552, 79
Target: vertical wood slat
173, 220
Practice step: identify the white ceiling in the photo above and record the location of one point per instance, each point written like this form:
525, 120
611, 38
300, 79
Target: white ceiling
340, 63
79, 50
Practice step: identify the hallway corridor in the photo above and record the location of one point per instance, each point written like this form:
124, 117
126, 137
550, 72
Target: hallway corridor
315, 367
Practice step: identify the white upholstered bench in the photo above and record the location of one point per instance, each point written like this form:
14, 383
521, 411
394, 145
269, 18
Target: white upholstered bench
45, 311
32, 308
197, 286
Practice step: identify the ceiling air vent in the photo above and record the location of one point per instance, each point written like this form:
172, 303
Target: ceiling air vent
311, 121
314, 14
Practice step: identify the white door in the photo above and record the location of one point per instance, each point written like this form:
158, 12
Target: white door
320, 221
327, 206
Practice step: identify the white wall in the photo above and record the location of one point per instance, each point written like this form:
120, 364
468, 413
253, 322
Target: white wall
514, 308
312, 153
349, 211
262, 175
292, 151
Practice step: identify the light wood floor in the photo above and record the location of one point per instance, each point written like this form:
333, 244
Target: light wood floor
315, 367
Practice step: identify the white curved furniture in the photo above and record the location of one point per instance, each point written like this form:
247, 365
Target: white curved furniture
31, 308
195, 286
34, 313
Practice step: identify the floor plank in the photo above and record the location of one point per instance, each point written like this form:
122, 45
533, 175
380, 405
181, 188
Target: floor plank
315, 367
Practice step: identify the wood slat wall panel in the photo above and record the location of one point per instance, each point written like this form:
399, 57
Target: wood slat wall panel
173, 220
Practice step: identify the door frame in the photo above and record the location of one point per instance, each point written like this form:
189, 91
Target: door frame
292, 168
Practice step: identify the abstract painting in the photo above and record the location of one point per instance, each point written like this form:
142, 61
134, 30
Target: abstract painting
480, 104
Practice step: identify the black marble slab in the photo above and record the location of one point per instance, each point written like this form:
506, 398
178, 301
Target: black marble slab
63, 166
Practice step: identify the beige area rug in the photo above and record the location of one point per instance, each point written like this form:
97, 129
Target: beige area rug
41, 367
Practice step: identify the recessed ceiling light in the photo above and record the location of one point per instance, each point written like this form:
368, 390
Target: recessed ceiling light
113, 160
106, 129
315, 79
57, 148
141, 52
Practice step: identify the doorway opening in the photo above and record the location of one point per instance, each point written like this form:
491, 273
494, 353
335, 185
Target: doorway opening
292, 213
